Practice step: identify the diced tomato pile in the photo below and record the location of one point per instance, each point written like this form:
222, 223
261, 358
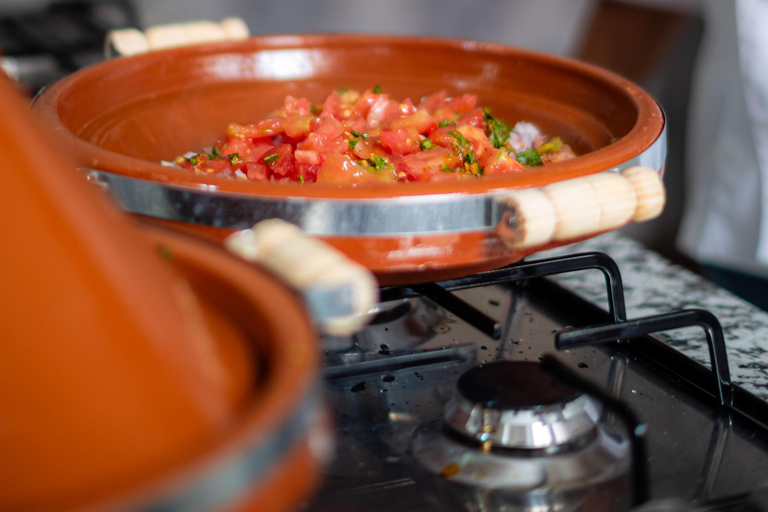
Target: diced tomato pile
369, 137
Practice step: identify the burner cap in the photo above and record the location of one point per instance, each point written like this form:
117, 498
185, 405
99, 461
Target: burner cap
514, 404
506, 385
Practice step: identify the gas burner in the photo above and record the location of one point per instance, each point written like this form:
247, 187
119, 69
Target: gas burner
512, 439
514, 404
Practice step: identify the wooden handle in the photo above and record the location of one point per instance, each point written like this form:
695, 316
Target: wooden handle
130, 41
649, 190
616, 197
580, 207
529, 220
339, 292
577, 209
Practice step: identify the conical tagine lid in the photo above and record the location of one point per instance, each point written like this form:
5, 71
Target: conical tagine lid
111, 370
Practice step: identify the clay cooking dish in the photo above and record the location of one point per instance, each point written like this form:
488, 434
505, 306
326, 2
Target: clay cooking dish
126, 115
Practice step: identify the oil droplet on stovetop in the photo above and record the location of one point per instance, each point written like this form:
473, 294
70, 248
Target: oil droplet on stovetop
450, 470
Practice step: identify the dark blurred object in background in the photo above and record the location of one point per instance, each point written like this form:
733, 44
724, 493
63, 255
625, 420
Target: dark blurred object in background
655, 46
47, 43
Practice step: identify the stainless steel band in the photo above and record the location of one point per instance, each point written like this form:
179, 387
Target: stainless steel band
407, 215
228, 480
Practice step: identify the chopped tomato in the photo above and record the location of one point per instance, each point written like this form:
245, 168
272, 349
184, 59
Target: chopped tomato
432, 102
297, 106
280, 161
472, 118
401, 141
369, 137
420, 120
265, 128
443, 138
406, 107
381, 111
307, 156
363, 148
297, 126
306, 172
257, 172
332, 106
342, 169
497, 161
462, 104
424, 165
476, 137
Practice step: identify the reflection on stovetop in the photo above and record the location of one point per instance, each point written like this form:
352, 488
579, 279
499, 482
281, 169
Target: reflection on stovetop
399, 328
393, 380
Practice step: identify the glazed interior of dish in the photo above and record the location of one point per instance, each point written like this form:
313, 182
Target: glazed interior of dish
170, 124
145, 109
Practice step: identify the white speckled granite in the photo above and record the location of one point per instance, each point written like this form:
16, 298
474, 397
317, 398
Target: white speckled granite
654, 285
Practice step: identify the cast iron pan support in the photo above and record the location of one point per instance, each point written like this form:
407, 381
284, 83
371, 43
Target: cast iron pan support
440, 292
635, 428
571, 338
553, 266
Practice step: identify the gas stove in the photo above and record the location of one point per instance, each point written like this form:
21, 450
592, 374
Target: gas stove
504, 391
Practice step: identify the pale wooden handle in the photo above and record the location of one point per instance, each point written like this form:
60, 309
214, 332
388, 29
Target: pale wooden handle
577, 209
616, 197
339, 291
130, 41
580, 207
649, 190
529, 220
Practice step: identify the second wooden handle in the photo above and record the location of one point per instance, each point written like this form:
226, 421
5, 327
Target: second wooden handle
580, 207
339, 292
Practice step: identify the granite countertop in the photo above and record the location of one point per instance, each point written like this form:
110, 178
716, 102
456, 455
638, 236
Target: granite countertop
654, 285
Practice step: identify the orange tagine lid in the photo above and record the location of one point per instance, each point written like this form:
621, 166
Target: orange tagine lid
114, 370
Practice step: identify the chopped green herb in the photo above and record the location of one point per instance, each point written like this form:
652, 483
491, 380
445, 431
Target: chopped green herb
481, 170
443, 124
362, 135
315, 109
353, 143
497, 130
377, 89
192, 160
529, 157
215, 153
553, 145
234, 159
301, 178
426, 144
469, 158
445, 168
459, 137
342, 90
271, 158
379, 162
